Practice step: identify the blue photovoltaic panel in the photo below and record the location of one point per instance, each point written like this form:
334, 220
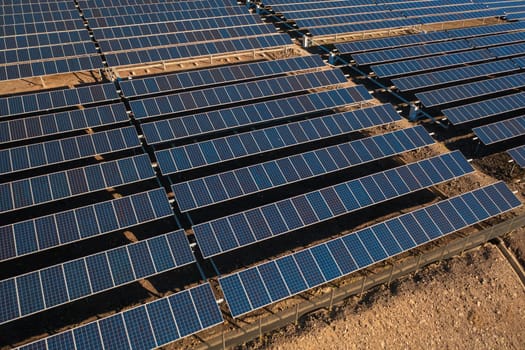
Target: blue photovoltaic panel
293, 274
213, 97
43, 39
64, 184
206, 77
246, 144
241, 229
485, 109
214, 189
518, 154
110, 20
364, 26
69, 149
50, 231
256, 113
420, 38
438, 97
403, 53
200, 49
109, 269
43, 101
62, 122
186, 38
501, 131
57, 66
431, 79
429, 63
43, 27
55, 51
151, 325
169, 27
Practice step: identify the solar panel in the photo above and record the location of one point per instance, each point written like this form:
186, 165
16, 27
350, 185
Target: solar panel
62, 122
57, 66
508, 50
44, 101
42, 27
431, 79
438, 97
265, 222
269, 282
518, 154
501, 131
206, 77
46, 52
388, 70
150, 325
247, 44
46, 232
180, 38
222, 95
73, 182
397, 54
420, 38
206, 153
484, 109
43, 39
225, 186
253, 114
68, 149
84, 277
493, 40
173, 26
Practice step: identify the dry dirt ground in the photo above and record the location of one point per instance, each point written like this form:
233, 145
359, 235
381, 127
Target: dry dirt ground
471, 302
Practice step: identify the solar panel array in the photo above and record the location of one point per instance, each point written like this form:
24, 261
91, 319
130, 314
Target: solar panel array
149, 34
59, 284
468, 75
144, 327
333, 18
43, 40
267, 283
241, 229
80, 168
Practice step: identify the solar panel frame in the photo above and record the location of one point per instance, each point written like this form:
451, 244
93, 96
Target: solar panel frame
518, 155
48, 232
30, 128
240, 92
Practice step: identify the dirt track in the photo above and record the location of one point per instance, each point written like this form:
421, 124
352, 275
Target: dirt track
481, 307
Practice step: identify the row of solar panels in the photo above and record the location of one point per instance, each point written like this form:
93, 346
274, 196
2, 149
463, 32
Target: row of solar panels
37, 42
170, 318
499, 75
330, 18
